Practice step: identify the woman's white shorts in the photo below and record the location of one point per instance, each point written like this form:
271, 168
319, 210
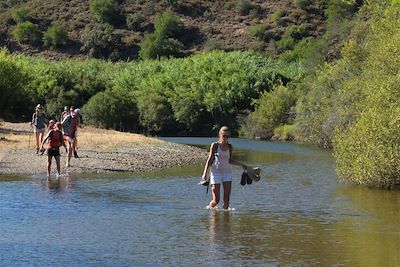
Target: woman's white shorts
219, 178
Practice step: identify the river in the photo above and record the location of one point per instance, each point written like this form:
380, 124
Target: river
298, 214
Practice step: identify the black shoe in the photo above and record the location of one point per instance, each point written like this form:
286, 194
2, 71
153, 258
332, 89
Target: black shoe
248, 180
75, 154
245, 176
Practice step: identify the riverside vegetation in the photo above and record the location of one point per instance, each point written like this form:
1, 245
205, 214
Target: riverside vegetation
339, 90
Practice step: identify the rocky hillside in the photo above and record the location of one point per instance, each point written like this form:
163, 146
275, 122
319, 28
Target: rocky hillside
273, 25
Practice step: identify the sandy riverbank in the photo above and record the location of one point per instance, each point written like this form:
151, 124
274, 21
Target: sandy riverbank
99, 151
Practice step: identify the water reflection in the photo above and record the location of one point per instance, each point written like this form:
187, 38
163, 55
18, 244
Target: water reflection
297, 215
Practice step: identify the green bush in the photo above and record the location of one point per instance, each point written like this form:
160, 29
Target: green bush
167, 25
272, 110
163, 42
101, 41
155, 112
14, 102
303, 4
55, 36
20, 14
27, 33
243, 7
110, 109
134, 21
154, 46
277, 15
258, 31
368, 149
104, 10
286, 43
298, 32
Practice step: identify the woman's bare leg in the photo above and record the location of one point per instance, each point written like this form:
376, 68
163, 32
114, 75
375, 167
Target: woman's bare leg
58, 165
48, 166
227, 193
37, 136
215, 190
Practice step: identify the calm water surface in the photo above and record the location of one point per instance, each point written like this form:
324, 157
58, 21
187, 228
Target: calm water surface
299, 214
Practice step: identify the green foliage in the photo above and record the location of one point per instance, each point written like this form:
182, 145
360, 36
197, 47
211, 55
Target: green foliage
243, 7
13, 100
277, 15
27, 33
368, 149
156, 114
111, 110
134, 21
303, 4
272, 110
101, 41
20, 14
285, 132
258, 31
164, 40
286, 43
298, 32
55, 36
103, 10
154, 46
189, 95
167, 25
11, 3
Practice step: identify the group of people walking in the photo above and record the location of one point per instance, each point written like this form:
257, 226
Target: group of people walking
61, 132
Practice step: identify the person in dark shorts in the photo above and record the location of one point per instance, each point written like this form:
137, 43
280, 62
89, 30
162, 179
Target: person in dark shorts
69, 125
38, 122
56, 140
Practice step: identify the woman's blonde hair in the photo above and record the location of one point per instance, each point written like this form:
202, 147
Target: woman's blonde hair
224, 129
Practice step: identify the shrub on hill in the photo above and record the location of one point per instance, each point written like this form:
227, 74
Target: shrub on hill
164, 41
27, 33
258, 31
55, 36
20, 14
104, 10
134, 21
101, 41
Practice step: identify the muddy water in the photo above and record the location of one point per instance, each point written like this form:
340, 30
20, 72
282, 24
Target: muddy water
299, 214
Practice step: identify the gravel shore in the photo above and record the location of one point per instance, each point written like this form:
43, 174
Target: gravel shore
131, 157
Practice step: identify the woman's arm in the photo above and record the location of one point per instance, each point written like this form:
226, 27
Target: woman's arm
45, 139
235, 162
209, 161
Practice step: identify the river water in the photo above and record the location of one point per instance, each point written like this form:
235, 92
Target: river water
298, 214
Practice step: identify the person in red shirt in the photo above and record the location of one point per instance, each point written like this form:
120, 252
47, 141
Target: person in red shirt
56, 140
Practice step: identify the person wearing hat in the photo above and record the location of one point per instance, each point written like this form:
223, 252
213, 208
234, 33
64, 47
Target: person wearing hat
56, 140
38, 122
219, 159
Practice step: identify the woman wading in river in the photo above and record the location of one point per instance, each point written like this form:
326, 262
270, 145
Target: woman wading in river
219, 160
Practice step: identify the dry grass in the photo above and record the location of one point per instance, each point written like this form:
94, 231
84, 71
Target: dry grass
20, 135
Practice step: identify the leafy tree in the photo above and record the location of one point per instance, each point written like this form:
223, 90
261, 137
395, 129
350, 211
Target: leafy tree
155, 112
154, 46
164, 40
55, 36
134, 21
27, 32
20, 14
104, 10
272, 110
13, 100
111, 110
101, 41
